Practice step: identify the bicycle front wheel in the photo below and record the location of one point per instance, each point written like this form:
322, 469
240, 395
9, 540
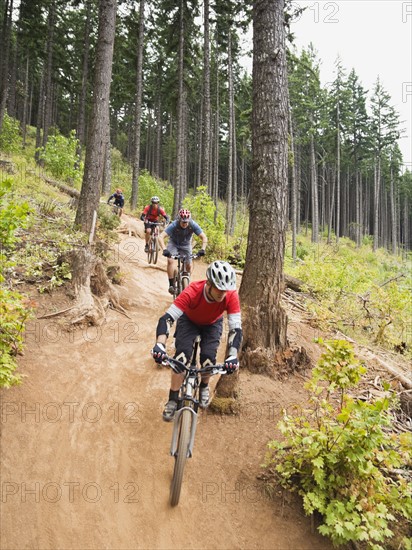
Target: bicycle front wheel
181, 456
185, 282
150, 251
155, 250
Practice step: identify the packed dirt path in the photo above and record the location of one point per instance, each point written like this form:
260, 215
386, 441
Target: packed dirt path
85, 458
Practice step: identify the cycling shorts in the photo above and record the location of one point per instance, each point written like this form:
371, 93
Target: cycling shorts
185, 334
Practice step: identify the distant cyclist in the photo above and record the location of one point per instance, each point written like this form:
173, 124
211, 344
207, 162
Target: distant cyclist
118, 200
199, 310
180, 234
150, 215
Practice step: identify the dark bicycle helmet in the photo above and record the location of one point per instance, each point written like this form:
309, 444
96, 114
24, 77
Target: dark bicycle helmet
221, 275
184, 215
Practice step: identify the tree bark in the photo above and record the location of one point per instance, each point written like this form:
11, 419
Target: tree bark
138, 108
94, 162
264, 319
206, 127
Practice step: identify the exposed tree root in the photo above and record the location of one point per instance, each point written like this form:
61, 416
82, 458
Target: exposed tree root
93, 292
280, 364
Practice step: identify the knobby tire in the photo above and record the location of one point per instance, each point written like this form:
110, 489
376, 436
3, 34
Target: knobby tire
155, 249
175, 285
185, 282
181, 457
150, 251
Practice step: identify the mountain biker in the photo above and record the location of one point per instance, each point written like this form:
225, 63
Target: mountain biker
180, 234
150, 215
199, 310
118, 200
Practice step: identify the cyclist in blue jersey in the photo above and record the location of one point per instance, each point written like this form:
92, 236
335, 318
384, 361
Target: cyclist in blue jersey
180, 234
118, 200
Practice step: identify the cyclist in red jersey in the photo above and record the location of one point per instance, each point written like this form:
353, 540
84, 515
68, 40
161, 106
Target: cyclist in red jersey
150, 215
199, 310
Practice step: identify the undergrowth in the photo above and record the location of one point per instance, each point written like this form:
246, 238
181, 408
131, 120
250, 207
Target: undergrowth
341, 456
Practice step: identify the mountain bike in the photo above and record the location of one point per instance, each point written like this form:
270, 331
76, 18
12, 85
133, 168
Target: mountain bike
116, 210
185, 420
153, 245
181, 277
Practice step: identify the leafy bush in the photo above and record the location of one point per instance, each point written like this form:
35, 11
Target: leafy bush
340, 455
60, 156
13, 310
10, 140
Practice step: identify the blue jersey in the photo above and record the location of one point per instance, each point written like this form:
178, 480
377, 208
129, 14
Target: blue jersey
181, 236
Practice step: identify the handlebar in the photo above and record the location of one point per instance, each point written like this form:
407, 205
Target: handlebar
179, 368
189, 257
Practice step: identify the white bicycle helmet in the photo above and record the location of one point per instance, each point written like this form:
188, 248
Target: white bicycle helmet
222, 275
155, 199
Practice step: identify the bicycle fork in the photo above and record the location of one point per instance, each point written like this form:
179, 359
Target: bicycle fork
175, 436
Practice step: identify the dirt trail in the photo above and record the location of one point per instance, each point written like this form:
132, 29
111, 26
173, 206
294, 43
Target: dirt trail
85, 458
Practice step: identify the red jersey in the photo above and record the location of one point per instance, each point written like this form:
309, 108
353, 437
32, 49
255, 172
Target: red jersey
193, 303
152, 213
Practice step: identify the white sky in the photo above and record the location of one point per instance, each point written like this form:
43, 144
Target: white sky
374, 37
371, 36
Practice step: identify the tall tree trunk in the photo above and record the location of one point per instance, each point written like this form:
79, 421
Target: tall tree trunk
25, 102
4, 66
314, 192
48, 87
81, 122
180, 138
265, 321
231, 178
158, 151
40, 118
97, 135
138, 109
293, 184
393, 212
376, 188
206, 126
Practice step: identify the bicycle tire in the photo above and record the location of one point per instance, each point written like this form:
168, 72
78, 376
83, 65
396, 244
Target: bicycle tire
185, 282
155, 250
150, 251
181, 457
175, 283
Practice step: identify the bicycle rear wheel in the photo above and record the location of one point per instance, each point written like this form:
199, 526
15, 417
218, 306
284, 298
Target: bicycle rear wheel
181, 457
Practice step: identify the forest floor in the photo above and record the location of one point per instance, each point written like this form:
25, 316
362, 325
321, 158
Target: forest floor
85, 458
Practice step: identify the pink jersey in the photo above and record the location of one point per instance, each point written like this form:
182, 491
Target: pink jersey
193, 303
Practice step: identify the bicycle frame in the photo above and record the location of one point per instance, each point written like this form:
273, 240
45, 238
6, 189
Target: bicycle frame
152, 243
181, 273
188, 394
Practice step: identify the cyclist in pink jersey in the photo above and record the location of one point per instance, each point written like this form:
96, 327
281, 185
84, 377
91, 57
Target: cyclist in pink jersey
199, 310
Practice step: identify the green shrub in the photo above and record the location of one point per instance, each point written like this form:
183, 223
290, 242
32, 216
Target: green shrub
10, 140
60, 157
13, 309
339, 455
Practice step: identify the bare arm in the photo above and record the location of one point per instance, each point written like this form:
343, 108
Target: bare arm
204, 240
161, 239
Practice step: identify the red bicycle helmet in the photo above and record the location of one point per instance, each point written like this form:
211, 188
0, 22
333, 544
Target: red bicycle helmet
184, 215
